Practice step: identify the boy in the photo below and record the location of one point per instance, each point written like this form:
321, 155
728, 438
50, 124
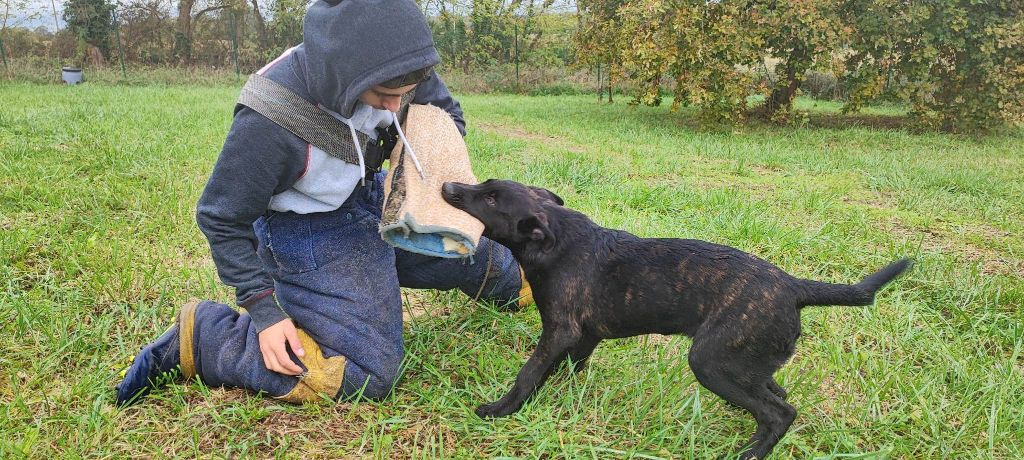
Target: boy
295, 230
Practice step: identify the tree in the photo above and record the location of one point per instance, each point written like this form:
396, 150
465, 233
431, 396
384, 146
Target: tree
699, 45
799, 34
486, 32
285, 27
959, 63
91, 21
147, 30
261, 24
183, 34
23, 8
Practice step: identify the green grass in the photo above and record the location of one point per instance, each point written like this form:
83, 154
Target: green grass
98, 248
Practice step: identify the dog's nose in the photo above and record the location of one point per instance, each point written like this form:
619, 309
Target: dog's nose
448, 189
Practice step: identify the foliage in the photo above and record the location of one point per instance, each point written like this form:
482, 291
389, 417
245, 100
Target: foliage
92, 22
800, 34
147, 32
285, 27
16, 13
485, 33
598, 38
959, 63
22, 41
698, 45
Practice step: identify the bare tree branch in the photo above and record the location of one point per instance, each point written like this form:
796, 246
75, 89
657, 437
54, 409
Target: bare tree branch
207, 10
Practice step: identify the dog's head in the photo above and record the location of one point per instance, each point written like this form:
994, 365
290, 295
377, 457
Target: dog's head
513, 214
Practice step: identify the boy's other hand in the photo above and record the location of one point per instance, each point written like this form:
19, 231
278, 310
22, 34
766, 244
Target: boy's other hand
273, 341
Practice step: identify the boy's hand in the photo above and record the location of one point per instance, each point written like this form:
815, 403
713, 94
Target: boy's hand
272, 344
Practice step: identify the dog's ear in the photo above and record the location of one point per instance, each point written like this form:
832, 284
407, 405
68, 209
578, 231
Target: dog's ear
548, 194
535, 228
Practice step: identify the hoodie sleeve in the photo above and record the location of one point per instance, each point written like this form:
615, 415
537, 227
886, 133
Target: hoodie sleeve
258, 160
433, 91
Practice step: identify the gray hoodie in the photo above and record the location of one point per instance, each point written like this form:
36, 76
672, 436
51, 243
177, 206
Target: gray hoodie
348, 47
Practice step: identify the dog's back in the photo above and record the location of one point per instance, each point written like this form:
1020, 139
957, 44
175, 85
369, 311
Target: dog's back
623, 285
668, 285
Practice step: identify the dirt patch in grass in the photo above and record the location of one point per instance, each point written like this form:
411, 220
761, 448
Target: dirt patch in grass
948, 238
848, 121
522, 134
344, 424
832, 390
758, 181
940, 240
416, 303
875, 200
190, 259
218, 398
765, 170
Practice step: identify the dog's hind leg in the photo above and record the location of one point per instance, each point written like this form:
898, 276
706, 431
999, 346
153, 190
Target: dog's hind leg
743, 382
582, 351
773, 387
553, 347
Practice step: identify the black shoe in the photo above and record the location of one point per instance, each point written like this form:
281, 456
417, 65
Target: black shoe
146, 371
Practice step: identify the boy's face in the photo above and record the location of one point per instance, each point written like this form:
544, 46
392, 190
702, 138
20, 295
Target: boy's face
383, 98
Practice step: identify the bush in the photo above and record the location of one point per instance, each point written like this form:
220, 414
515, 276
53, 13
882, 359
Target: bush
532, 81
957, 62
820, 85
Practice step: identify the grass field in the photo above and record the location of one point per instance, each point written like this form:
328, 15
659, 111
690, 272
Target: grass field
98, 248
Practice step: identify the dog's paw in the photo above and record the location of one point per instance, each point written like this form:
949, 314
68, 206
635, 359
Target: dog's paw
493, 410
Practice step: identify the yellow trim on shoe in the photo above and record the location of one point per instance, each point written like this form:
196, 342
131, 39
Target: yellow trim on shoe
186, 324
323, 375
525, 292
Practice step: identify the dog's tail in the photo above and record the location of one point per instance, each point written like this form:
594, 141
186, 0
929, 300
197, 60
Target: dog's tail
860, 294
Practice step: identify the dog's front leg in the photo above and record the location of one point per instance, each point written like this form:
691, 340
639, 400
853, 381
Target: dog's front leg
552, 348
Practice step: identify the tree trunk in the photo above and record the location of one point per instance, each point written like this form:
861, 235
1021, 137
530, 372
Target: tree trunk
781, 98
94, 56
261, 25
610, 101
183, 34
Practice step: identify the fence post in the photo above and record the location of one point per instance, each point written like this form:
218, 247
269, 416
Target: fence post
234, 41
517, 53
120, 49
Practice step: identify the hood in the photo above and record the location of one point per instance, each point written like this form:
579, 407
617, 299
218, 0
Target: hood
352, 45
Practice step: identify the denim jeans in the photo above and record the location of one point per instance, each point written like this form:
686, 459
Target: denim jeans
339, 281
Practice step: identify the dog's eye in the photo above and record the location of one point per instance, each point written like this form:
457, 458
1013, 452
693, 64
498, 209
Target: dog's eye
489, 199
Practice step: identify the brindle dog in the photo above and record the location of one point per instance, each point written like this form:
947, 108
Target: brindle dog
592, 283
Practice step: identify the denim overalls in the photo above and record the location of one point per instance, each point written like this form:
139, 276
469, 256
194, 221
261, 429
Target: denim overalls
339, 281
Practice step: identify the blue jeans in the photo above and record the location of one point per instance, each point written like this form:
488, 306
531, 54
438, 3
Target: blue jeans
339, 281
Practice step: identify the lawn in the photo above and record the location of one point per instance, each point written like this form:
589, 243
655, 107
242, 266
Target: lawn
99, 247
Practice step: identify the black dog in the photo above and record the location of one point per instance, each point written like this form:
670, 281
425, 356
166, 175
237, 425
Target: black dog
592, 283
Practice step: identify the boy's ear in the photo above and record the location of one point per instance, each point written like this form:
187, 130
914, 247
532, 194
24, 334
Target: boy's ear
548, 194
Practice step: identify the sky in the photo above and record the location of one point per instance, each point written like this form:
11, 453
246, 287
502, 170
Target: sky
40, 12
37, 13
